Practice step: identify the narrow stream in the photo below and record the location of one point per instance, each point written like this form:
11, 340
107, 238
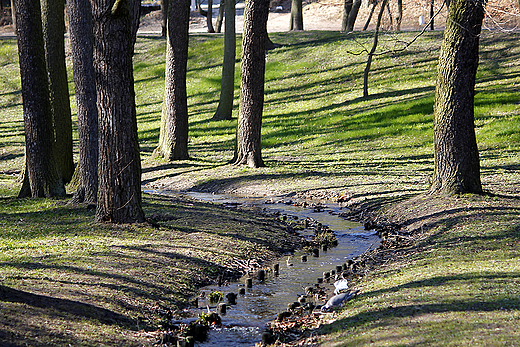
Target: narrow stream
244, 322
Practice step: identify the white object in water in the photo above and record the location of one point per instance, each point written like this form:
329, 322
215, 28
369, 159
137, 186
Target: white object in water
421, 20
340, 286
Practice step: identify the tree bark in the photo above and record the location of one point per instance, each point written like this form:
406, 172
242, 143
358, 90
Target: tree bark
457, 168
119, 194
164, 17
53, 20
347, 7
82, 47
136, 18
296, 15
353, 15
248, 146
367, 23
209, 17
227, 86
432, 13
173, 138
220, 17
399, 18
42, 177
13, 14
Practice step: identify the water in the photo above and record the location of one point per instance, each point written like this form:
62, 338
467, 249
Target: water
244, 322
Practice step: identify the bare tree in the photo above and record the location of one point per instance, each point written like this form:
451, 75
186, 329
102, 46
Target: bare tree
41, 177
227, 86
248, 147
173, 138
53, 20
457, 167
82, 46
296, 15
119, 194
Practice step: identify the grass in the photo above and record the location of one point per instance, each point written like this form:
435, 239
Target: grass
319, 135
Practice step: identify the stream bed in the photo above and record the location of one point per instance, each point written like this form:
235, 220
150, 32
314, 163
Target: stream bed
243, 323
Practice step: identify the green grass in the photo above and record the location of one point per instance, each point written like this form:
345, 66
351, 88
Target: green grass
318, 133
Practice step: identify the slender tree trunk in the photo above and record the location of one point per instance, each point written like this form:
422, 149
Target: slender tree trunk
53, 20
13, 14
296, 15
353, 15
164, 17
209, 17
390, 16
119, 194
173, 138
367, 23
248, 147
220, 17
372, 51
227, 86
82, 47
457, 167
432, 13
42, 177
347, 7
399, 18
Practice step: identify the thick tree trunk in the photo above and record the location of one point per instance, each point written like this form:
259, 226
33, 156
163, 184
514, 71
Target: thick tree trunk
173, 138
353, 15
227, 86
82, 47
248, 147
53, 20
457, 168
119, 195
220, 17
296, 15
347, 7
42, 176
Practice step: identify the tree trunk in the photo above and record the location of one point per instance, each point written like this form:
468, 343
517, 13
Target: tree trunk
296, 15
372, 51
390, 16
367, 23
164, 17
432, 13
136, 18
13, 15
173, 138
248, 147
220, 17
209, 17
399, 18
227, 86
457, 168
353, 15
119, 194
82, 46
347, 7
53, 20
42, 176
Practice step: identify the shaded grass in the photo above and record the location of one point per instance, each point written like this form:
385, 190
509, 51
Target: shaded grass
458, 286
67, 280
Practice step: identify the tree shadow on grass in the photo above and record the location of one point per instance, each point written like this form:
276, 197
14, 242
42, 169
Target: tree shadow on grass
496, 304
72, 309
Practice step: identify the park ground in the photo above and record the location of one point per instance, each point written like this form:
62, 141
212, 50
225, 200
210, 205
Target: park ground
451, 279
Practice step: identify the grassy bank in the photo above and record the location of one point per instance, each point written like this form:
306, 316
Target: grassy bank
67, 280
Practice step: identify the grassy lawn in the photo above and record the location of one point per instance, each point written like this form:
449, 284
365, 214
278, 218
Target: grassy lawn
66, 280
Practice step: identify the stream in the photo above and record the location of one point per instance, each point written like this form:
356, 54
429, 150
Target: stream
243, 323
